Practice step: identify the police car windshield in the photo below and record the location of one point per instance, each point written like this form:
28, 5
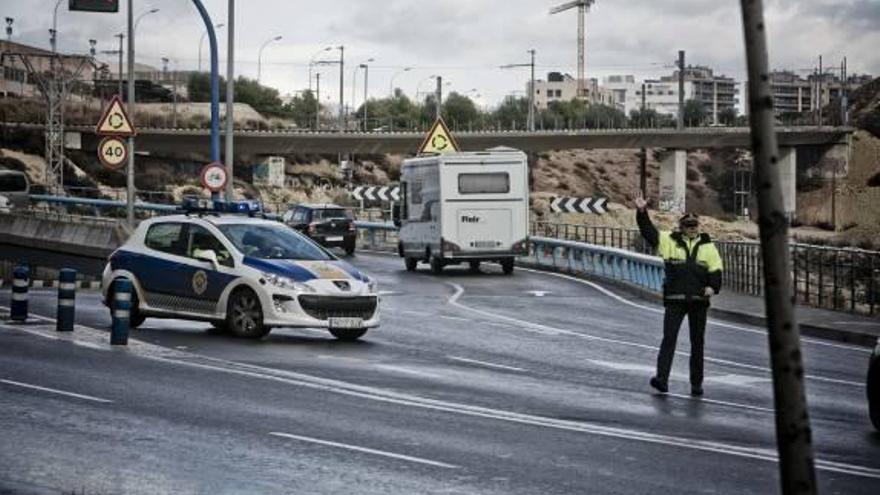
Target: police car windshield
272, 242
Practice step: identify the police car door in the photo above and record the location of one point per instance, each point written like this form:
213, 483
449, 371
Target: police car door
203, 281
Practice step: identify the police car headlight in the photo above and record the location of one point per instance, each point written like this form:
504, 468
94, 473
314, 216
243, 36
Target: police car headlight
286, 283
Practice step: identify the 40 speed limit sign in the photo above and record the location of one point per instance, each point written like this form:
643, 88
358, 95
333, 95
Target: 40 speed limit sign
113, 152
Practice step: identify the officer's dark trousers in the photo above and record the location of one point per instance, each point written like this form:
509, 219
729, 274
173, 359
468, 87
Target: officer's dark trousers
675, 313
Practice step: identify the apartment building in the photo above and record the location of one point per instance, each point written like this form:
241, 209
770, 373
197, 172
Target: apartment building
564, 87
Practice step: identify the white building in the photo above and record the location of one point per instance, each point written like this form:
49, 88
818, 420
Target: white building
563, 87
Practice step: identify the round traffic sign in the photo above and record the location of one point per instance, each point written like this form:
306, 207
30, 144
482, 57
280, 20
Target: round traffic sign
214, 177
113, 152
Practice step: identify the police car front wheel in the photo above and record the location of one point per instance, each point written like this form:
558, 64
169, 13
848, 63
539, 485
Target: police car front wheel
244, 316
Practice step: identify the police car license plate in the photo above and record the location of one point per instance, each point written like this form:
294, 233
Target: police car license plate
335, 238
346, 322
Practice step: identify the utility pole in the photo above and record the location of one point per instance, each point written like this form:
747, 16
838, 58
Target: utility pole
643, 157
230, 102
532, 94
793, 434
439, 94
121, 37
680, 90
820, 99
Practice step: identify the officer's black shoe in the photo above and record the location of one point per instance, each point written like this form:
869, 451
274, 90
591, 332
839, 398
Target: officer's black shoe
660, 386
696, 390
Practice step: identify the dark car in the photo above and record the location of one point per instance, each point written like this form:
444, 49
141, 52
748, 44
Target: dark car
873, 386
329, 225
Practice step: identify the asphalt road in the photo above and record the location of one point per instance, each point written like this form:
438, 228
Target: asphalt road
474, 383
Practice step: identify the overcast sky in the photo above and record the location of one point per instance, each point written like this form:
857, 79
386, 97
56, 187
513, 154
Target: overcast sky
466, 40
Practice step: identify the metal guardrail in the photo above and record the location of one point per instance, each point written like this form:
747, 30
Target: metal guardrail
617, 237
618, 264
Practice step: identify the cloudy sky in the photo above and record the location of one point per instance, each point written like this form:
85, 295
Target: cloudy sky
466, 41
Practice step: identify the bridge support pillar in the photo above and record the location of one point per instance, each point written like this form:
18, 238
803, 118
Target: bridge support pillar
673, 182
788, 179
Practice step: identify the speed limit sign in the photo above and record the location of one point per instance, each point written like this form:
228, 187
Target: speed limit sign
214, 177
112, 152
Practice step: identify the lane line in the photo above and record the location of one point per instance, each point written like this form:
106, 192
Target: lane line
623, 300
545, 329
56, 391
483, 363
161, 354
382, 453
722, 403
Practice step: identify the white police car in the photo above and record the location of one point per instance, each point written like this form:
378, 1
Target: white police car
245, 275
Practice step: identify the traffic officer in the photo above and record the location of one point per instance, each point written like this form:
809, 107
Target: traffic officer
693, 275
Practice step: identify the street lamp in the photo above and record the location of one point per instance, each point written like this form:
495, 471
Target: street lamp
419, 86
354, 80
136, 21
260, 55
366, 79
531, 118
391, 83
312, 62
202, 41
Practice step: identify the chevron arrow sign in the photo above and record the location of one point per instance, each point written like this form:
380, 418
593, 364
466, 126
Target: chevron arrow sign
595, 206
376, 193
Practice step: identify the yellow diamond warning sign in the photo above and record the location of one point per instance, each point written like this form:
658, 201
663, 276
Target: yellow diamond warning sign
115, 121
439, 139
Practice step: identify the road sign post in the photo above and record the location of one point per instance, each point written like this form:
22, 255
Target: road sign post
113, 152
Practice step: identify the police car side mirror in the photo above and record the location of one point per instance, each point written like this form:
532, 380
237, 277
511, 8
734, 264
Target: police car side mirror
208, 255
395, 215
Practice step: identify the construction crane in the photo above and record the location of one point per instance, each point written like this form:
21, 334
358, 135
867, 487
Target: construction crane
582, 6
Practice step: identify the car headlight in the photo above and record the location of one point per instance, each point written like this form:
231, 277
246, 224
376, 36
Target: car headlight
286, 283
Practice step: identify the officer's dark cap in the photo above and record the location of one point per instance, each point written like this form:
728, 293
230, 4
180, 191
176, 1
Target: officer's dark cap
689, 220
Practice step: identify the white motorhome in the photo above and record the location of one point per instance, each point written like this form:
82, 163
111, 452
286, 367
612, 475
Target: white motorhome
464, 208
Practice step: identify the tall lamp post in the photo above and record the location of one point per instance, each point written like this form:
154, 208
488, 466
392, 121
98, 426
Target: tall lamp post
531, 118
202, 41
260, 55
366, 89
391, 83
312, 62
354, 81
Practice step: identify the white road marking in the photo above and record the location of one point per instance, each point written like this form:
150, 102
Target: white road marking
722, 403
644, 369
548, 330
456, 318
56, 391
178, 358
483, 363
365, 450
388, 293
406, 371
538, 293
710, 322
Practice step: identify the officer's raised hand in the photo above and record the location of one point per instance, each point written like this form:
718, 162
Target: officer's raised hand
640, 203
708, 291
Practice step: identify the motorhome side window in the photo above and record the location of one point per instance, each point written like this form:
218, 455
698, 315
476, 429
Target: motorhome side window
486, 183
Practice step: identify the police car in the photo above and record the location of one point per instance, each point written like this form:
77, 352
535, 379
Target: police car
243, 274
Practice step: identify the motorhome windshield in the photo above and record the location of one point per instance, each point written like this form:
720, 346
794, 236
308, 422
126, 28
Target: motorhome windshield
484, 183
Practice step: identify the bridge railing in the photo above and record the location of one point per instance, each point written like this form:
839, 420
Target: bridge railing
618, 264
617, 237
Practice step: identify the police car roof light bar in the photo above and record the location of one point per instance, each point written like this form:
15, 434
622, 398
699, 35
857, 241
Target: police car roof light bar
193, 204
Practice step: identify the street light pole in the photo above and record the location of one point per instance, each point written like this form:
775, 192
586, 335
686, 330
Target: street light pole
318, 101
366, 78
260, 55
202, 41
129, 210
54, 31
230, 101
341, 81
531, 64
121, 37
391, 84
312, 63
